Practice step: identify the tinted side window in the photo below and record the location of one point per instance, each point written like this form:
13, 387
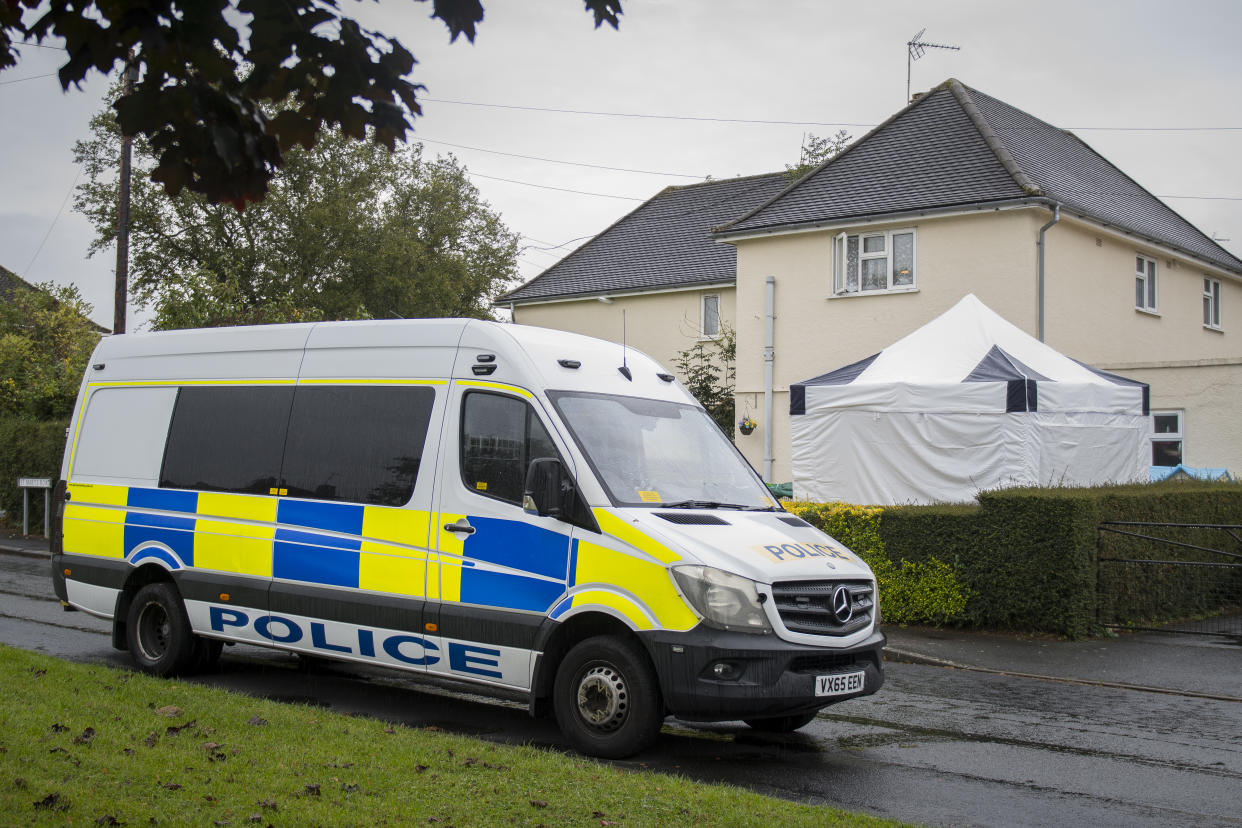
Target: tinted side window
226, 439
359, 444
499, 437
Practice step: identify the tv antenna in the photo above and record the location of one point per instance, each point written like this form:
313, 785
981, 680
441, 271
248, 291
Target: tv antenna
915, 47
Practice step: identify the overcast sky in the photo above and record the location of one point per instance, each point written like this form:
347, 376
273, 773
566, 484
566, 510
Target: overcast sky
1152, 86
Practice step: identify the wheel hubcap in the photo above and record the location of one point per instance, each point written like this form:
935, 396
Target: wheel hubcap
154, 631
603, 700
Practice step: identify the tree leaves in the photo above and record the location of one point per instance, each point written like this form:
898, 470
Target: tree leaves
203, 92
348, 231
46, 340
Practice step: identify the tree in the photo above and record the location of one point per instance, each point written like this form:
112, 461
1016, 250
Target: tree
46, 340
816, 151
348, 230
709, 373
210, 71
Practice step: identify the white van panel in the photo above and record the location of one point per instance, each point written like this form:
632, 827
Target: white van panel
259, 352
392, 349
122, 436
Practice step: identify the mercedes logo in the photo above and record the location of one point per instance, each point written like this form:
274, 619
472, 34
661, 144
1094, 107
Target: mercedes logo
842, 604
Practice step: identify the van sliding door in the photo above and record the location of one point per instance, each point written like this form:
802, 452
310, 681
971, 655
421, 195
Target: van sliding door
349, 557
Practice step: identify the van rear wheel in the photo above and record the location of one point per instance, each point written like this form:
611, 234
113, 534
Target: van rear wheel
606, 698
158, 631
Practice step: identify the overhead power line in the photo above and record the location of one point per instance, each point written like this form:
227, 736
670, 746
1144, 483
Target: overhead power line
548, 187
560, 161
52, 226
32, 77
643, 114
789, 123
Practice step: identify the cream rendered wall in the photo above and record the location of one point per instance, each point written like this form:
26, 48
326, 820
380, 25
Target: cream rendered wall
1211, 397
992, 255
1091, 316
659, 324
1090, 302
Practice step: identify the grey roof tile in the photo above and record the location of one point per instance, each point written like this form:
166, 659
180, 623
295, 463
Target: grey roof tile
957, 146
666, 242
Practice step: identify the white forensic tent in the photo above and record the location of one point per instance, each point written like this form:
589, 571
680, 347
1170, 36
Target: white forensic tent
965, 403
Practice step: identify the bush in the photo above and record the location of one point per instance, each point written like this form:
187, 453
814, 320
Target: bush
911, 592
1030, 558
28, 448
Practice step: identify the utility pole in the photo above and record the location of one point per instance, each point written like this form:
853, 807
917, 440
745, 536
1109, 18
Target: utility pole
122, 212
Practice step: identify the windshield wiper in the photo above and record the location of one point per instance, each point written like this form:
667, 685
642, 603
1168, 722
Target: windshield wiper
702, 504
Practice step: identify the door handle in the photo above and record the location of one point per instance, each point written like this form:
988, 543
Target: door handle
462, 525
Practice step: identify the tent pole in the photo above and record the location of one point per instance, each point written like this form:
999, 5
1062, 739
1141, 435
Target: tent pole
768, 357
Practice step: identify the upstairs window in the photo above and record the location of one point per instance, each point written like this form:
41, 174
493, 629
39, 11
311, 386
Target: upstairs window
873, 262
1166, 438
1145, 284
1211, 303
711, 316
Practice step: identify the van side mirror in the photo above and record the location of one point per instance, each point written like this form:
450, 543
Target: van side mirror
547, 488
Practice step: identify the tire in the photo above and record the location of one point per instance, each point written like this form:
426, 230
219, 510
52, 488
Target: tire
606, 698
781, 724
158, 632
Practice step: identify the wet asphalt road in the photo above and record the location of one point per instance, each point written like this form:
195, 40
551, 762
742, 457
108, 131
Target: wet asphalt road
936, 745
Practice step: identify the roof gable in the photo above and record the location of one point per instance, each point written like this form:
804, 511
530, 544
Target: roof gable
666, 242
930, 154
955, 147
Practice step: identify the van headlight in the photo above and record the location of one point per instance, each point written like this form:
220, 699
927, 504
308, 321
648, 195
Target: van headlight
725, 600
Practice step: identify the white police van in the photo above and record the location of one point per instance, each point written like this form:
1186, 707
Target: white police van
538, 513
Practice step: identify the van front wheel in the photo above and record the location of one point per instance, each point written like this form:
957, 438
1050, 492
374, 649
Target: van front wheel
606, 698
158, 631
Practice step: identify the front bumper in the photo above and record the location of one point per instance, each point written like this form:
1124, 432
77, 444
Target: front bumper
773, 677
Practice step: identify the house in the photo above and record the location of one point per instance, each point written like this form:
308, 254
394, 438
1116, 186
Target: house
659, 263
957, 193
11, 285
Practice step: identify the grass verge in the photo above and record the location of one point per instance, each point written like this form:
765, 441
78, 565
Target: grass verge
83, 744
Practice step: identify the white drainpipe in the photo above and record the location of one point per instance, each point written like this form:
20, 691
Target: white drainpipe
768, 357
1039, 287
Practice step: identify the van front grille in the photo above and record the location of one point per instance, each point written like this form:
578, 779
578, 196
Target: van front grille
822, 608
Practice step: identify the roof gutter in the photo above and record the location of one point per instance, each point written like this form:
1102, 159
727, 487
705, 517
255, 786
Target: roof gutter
1039, 316
727, 236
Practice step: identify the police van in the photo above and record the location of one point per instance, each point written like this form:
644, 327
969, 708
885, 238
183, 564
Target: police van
537, 513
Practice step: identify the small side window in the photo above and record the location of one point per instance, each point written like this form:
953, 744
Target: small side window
500, 435
357, 444
1211, 303
1145, 283
1166, 438
226, 439
711, 315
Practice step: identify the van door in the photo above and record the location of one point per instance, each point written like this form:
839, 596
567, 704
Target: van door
499, 570
350, 553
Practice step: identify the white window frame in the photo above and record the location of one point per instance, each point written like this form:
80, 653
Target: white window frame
704, 333
1211, 303
1178, 436
1146, 281
840, 247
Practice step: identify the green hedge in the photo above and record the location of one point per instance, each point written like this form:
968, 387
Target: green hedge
926, 591
28, 448
1027, 559
1153, 594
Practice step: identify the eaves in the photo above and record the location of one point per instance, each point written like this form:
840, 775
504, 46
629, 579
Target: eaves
608, 294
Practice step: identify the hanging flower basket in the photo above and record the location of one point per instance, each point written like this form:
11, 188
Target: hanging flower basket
746, 425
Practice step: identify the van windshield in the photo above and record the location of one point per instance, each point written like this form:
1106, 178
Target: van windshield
657, 453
